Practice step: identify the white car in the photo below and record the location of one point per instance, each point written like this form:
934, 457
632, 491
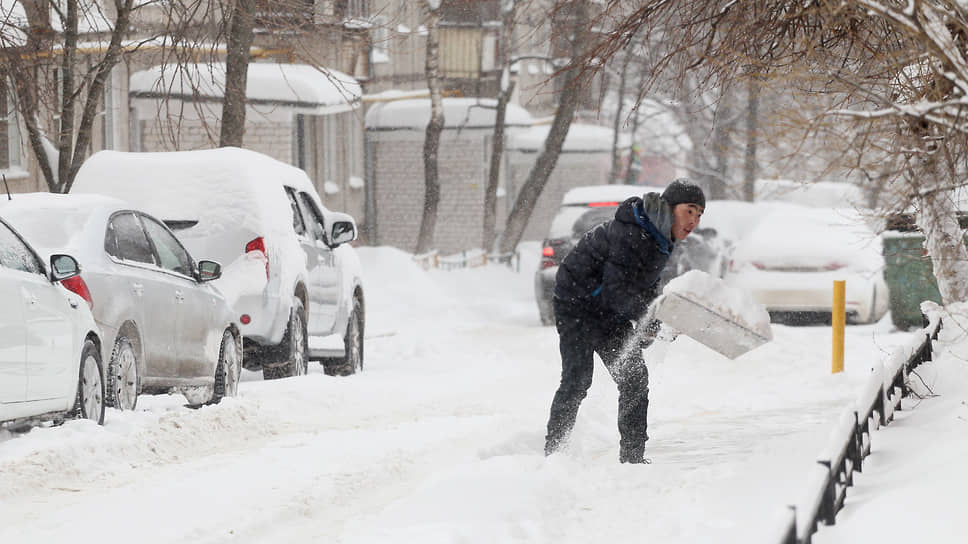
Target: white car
50, 362
165, 327
289, 272
791, 258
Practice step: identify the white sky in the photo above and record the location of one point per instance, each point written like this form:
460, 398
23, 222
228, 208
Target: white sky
440, 440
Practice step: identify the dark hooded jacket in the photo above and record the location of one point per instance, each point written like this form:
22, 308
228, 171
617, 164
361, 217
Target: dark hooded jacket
613, 272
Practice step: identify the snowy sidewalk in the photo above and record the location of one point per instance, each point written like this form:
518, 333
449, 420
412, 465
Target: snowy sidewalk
913, 483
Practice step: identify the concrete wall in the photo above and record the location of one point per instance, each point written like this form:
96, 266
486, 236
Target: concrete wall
574, 169
398, 188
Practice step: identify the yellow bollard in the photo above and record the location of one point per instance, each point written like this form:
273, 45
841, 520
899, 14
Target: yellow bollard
838, 319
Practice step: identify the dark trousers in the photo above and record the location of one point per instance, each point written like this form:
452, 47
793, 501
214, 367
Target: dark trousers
580, 336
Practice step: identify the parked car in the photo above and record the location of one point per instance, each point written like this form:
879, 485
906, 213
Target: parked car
50, 359
291, 275
584, 208
165, 327
790, 259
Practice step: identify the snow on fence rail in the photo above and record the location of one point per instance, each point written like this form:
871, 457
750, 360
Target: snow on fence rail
469, 258
850, 441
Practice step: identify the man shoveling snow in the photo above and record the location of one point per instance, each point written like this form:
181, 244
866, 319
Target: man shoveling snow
603, 287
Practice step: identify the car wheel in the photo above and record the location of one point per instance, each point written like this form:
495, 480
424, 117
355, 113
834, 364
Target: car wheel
229, 368
90, 402
294, 348
123, 378
352, 343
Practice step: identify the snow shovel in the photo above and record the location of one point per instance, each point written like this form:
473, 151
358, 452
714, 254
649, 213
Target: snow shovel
707, 326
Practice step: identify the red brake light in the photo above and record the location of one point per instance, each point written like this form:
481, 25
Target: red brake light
547, 251
77, 285
759, 265
259, 244
834, 266
602, 204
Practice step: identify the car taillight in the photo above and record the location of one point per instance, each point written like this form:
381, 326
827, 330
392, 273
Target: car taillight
77, 286
547, 257
603, 204
759, 265
834, 266
259, 244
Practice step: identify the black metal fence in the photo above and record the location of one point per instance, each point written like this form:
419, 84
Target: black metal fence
850, 442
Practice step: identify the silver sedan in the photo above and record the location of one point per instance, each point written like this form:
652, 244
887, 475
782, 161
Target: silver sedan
165, 328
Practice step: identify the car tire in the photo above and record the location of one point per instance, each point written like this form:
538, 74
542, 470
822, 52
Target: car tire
352, 362
123, 381
229, 368
90, 401
293, 352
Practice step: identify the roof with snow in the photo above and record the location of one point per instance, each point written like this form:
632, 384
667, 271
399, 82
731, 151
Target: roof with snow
581, 138
459, 113
304, 88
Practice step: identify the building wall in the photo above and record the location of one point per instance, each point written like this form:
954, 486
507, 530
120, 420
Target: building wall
398, 188
574, 169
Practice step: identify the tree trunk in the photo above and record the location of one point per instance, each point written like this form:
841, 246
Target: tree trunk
721, 145
236, 73
65, 136
497, 142
428, 223
617, 123
752, 127
943, 237
568, 99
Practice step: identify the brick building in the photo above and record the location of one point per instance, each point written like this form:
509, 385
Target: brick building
395, 172
585, 160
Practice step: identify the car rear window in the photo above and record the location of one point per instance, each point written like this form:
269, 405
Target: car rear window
571, 220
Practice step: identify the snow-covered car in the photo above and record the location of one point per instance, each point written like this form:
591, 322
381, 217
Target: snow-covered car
291, 275
50, 361
165, 327
584, 208
791, 258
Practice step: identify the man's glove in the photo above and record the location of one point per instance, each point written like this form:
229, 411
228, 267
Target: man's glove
649, 333
667, 334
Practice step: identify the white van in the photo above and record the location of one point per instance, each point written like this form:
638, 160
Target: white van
288, 269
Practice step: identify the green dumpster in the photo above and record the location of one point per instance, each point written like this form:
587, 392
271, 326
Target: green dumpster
909, 276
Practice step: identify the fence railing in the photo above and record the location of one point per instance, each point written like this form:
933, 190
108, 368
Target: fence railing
850, 442
468, 258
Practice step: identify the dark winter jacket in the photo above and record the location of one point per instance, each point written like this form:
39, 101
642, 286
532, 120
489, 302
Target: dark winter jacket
613, 272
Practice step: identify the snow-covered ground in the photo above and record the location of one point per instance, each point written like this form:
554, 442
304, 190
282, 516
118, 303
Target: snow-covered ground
440, 439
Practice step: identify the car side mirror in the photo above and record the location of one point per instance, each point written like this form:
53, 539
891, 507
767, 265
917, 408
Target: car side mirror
343, 232
209, 270
63, 267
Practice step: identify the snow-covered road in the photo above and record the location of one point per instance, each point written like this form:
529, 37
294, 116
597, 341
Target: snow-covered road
440, 438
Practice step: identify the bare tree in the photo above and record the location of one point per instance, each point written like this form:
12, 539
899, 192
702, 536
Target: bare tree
236, 70
428, 222
508, 12
79, 86
899, 71
574, 78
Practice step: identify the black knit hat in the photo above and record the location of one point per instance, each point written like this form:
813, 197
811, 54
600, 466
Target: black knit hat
683, 191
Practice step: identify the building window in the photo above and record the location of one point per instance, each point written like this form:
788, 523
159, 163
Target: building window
351, 9
111, 114
9, 130
381, 38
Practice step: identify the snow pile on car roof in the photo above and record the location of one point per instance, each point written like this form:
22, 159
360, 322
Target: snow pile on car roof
180, 186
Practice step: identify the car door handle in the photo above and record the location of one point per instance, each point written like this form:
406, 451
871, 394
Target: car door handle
31, 298
138, 289
179, 296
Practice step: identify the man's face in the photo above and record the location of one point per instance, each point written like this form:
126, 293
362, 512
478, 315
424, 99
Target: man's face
685, 219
